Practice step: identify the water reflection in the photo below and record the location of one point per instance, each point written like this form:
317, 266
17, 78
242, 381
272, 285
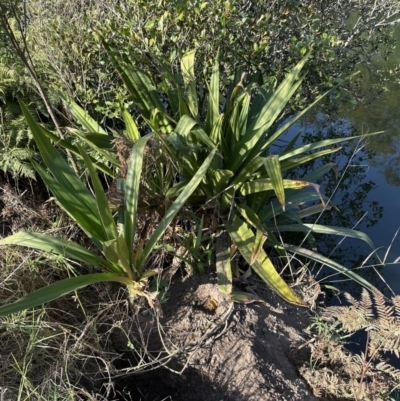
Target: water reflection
380, 111
352, 192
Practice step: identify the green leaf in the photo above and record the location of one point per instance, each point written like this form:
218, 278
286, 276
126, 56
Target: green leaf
116, 252
131, 196
265, 184
223, 263
328, 262
248, 171
216, 130
83, 117
302, 160
321, 171
244, 240
258, 245
106, 217
57, 246
219, 180
99, 147
273, 168
81, 207
59, 289
252, 218
266, 115
245, 297
187, 66
65, 144
328, 230
131, 131
293, 201
69, 190
144, 93
186, 125
326, 142
213, 97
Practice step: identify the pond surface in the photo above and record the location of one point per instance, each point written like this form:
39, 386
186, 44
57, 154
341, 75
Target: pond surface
368, 178
381, 112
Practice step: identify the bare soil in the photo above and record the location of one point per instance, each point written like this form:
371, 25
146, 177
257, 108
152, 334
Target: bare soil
233, 353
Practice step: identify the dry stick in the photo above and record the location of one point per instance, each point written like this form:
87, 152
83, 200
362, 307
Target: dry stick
29, 65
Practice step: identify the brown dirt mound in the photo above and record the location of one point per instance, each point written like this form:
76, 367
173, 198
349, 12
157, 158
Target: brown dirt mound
235, 352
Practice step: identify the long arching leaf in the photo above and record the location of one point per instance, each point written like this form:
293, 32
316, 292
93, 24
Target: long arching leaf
244, 239
59, 289
58, 246
328, 262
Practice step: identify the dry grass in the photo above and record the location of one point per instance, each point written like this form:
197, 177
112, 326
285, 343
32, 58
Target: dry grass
63, 350
71, 348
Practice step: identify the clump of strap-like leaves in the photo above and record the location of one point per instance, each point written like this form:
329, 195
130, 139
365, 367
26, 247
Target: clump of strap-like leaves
335, 371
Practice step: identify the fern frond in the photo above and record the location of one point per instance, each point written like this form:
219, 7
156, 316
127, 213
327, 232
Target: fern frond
336, 372
389, 369
396, 304
385, 313
366, 303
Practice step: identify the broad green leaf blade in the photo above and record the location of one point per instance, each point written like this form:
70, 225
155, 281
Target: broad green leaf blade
293, 201
131, 196
76, 206
286, 165
83, 117
103, 208
223, 263
253, 141
248, 214
144, 93
88, 139
258, 245
219, 180
292, 143
248, 171
174, 209
187, 67
286, 126
74, 196
58, 246
186, 125
213, 96
265, 184
314, 209
273, 168
65, 144
328, 230
216, 130
321, 171
131, 131
328, 262
176, 189
326, 142
59, 289
245, 297
244, 239
116, 252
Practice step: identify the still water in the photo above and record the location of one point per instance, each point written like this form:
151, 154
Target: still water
381, 112
372, 180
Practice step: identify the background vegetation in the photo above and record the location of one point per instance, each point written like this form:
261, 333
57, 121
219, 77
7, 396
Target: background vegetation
195, 95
